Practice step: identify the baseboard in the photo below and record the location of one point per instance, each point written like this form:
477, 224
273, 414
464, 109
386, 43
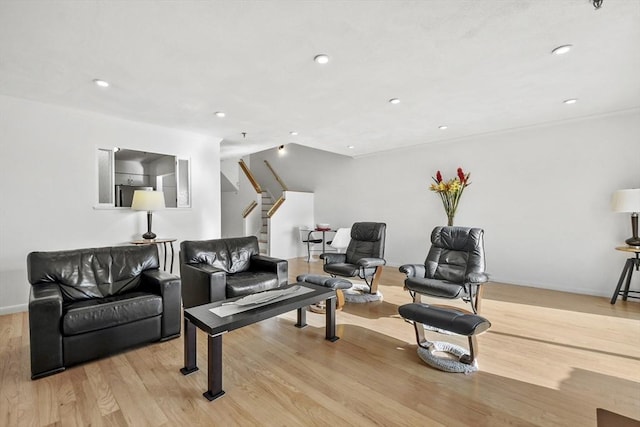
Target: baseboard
13, 309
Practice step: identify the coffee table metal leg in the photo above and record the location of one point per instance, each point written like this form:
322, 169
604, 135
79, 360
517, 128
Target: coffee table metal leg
330, 327
302, 317
190, 364
214, 368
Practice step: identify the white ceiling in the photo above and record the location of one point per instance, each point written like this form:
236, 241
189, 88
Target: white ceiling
475, 66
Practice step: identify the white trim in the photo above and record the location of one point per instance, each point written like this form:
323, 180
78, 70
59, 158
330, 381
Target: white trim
14, 309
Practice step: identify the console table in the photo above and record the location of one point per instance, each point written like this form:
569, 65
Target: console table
159, 242
627, 272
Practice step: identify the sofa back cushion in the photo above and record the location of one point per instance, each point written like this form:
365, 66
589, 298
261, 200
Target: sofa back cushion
92, 273
232, 255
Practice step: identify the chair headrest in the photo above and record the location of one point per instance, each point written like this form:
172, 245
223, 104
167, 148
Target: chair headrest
368, 231
457, 238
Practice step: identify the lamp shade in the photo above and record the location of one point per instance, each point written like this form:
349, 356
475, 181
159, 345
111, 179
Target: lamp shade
626, 200
147, 200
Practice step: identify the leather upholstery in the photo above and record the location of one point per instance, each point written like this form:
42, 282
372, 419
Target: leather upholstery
447, 319
81, 297
214, 270
455, 262
364, 254
92, 273
326, 281
99, 313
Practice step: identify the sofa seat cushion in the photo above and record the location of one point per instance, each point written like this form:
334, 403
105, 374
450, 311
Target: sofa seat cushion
100, 313
250, 282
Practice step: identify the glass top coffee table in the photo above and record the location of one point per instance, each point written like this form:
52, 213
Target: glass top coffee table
220, 317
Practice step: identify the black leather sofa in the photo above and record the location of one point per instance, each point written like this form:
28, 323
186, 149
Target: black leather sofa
213, 270
88, 303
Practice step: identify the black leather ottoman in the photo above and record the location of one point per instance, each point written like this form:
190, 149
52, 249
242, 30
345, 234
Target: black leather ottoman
335, 283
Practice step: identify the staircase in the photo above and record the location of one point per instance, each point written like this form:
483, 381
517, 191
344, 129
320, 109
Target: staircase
263, 239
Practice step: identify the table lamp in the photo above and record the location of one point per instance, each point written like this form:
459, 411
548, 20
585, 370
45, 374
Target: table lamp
629, 201
149, 201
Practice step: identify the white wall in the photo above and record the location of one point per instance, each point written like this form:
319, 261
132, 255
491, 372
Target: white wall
284, 236
233, 203
541, 194
48, 186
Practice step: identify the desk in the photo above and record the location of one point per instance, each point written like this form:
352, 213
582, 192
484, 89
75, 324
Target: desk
159, 242
627, 272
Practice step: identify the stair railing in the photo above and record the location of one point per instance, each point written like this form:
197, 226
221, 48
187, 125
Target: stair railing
275, 206
250, 177
277, 177
248, 209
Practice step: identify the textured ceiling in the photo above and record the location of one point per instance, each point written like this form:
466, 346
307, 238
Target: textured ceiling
475, 66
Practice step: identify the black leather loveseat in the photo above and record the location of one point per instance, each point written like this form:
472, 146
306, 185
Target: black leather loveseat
213, 270
88, 303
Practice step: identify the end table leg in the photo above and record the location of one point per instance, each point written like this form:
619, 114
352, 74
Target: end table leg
172, 256
214, 368
330, 327
627, 266
190, 364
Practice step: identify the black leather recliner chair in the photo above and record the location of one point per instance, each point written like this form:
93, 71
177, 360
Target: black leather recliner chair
364, 257
88, 303
214, 270
454, 268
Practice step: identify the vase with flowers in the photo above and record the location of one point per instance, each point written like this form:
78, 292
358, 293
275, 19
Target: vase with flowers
450, 191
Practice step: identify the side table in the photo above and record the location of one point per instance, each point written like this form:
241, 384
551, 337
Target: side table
627, 272
159, 242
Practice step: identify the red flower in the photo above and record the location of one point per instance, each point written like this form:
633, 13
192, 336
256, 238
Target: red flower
438, 176
461, 176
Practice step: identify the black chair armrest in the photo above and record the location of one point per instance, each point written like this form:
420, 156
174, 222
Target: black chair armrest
477, 278
275, 265
169, 288
45, 313
413, 270
333, 258
371, 262
202, 284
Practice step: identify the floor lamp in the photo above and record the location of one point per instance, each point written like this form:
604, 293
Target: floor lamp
629, 201
148, 201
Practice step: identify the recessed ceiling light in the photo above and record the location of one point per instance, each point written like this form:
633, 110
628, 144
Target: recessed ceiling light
293, 133
101, 83
570, 101
394, 101
321, 59
561, 50
351, 147
220, 114
443, 127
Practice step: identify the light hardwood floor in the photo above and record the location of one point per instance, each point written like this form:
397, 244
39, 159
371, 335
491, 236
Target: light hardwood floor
550, 359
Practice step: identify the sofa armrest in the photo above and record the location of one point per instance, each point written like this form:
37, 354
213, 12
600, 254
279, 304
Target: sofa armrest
413, 270
45, 313
476, 278
333, 258
371, 262
169, 288
202, 284
274, 265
